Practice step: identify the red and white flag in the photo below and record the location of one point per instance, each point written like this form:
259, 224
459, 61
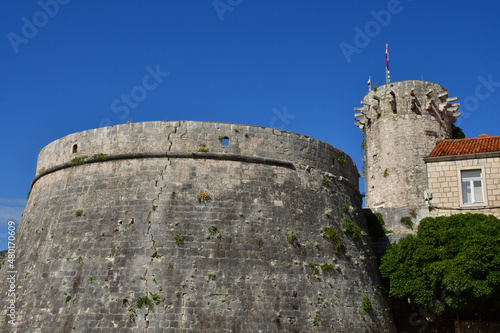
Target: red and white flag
387, 56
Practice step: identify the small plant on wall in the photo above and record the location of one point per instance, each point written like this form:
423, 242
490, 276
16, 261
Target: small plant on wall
407, 222
341, 159
100, 156
214, 231
203, 148
367, 304
317, 320
333, 235
386, 172
345, 208
351, 228
144, 301
78, 160
326, 267
313, 268
179, 239
290, 236
203, 197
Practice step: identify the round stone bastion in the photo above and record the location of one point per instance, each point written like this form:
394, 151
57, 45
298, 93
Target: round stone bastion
187, 226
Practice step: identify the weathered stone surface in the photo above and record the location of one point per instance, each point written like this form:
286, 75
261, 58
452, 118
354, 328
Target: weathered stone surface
243, 276
402, 121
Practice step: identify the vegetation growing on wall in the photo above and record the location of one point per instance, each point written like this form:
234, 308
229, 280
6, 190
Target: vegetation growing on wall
100, 156
333, 235
407, 222
290, 236
203, 148
367, 304
203, 196
78, 160
179, 239
345, 208
350, 227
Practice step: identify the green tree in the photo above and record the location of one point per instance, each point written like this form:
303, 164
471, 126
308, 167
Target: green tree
456, 132
453, 262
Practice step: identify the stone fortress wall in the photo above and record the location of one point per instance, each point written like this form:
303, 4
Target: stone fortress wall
219, 238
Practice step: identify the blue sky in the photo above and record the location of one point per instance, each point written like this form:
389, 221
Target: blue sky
68, 66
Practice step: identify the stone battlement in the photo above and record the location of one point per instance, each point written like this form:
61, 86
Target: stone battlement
192, 139
411, 97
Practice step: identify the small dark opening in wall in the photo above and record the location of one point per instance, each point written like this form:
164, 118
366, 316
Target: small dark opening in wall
75, 148
225, 141
333, 160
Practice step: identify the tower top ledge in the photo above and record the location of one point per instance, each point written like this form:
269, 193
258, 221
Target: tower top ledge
197, 140
407, 97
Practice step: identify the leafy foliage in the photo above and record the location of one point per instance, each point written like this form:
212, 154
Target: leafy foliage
456, 132
351, 228
333, 235
313, 268
407, 222
326, 267
156, 298
100, 156
452, 262
144, 301
317, 320
290, 236
341, 159
367, 304
345, 208
179, 239
78, 160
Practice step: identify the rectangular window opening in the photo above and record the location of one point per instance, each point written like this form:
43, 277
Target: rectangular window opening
472, 187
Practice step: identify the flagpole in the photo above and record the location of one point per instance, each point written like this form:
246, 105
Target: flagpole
387, 72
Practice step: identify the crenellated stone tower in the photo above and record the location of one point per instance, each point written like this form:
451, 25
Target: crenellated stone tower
401, 122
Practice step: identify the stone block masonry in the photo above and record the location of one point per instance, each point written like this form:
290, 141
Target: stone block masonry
402, 121
445, 184
187, 227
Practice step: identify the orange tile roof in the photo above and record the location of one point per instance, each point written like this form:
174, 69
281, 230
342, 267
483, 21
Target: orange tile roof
482, 144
